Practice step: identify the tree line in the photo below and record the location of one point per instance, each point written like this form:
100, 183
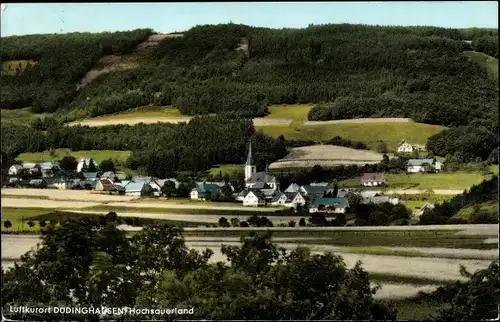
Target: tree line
154, 268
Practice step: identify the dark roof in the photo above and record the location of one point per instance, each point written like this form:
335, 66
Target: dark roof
315, 190
258, 194
206, 187
278, 196
368, 177
261, 185
261, 177
337, 202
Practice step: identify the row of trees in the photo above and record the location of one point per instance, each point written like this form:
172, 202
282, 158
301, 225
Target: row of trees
155, 269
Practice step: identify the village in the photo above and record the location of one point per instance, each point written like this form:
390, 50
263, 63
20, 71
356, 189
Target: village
259, 189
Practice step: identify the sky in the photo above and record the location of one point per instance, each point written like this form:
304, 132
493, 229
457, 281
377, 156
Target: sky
40, 18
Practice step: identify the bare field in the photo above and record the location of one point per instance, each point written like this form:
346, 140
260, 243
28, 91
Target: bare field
362, 120
326, 155
55, 194
180, 119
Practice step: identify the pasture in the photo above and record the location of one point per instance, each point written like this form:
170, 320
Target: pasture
58, 154
489, 206
142, 112
223, 169
444, 180
488, 62
369, 133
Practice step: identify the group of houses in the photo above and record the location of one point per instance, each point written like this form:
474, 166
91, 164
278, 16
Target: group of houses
418, 165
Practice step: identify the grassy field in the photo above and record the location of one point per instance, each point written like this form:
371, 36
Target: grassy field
9, 67
295, 112
18, 218
20, 116
368, 133
489, 206
97, 155
145, 111
490, 63
455, 180
226, 168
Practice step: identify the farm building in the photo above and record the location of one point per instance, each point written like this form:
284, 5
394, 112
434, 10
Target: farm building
373, 179
405, 147
203, 190
423, 165
137, 189
329, 205
255, 199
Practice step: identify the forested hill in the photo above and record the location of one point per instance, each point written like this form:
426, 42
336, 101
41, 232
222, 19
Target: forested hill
424, 73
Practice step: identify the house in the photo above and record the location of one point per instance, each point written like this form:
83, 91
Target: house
380, 200
63, 183
254, 198
279, 199
427, 206
296, 199
139, 188
201, 191
114, 176
405, 147
85, 162
38, 183
315, 191
161, 182
292, 188
32, 168
16, 169
373, 179
419, 165
329, 205
252, 177
105, 185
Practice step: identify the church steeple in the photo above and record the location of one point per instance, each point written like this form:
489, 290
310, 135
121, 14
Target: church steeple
250, 169
249, 156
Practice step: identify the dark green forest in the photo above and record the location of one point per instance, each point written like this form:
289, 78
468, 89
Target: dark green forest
417, 72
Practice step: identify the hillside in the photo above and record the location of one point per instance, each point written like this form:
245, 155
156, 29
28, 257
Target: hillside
423, 73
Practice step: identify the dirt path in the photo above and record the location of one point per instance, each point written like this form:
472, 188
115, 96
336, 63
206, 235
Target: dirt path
362, 120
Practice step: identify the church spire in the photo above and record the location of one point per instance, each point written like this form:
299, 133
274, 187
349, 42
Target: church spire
249, 157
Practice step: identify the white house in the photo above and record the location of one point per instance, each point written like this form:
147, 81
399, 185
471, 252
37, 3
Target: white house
280, 199
255, 199
297, 199
373, 179
105, 185
418, 165
405, 147
329, 205
16, 169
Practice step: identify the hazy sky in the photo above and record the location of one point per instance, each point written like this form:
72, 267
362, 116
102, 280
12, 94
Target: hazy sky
34, 18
